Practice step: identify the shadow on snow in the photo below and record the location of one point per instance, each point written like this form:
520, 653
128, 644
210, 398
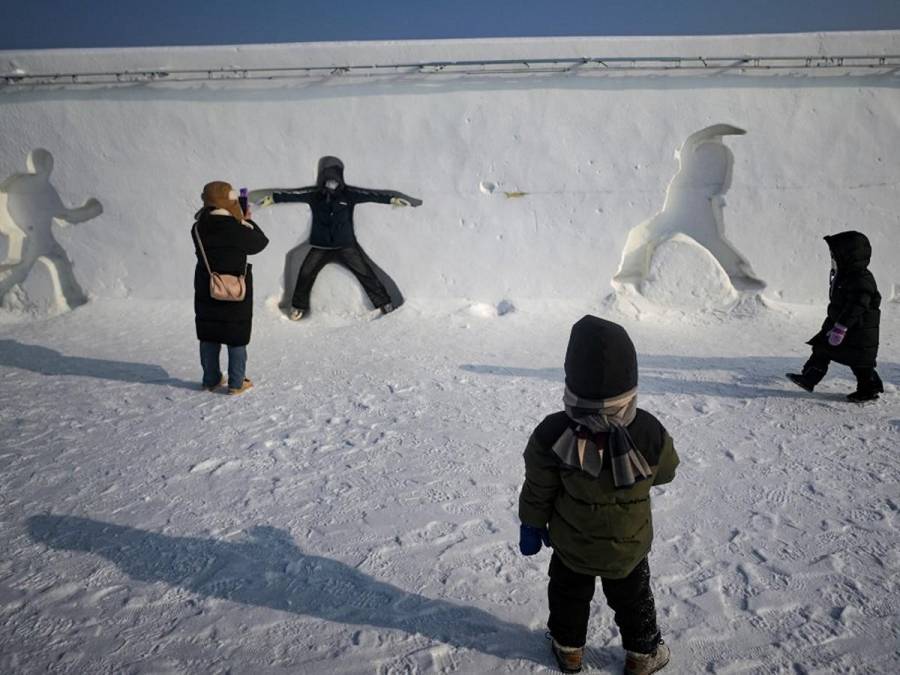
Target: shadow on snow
744, 377
268, 570
46, 361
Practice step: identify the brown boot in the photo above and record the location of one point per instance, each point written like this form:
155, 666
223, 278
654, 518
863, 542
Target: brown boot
214, 386
568, 658
644, 664
245, 385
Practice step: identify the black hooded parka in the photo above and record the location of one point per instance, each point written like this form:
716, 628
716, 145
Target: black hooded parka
854, 302
332, 209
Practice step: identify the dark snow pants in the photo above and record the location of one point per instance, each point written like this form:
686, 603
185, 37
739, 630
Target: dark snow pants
631, 599
351, 257
867, 379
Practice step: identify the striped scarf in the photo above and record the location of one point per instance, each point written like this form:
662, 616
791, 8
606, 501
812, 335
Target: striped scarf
577, 448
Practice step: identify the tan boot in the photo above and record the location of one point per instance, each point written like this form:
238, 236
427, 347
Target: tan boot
245, 385
215, 386
568, 658
644, 664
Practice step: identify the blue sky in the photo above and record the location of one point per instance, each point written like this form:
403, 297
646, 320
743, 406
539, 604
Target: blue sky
43, 24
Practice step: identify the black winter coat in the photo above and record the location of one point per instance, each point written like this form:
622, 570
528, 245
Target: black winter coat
332, 212
854, 302
227, 244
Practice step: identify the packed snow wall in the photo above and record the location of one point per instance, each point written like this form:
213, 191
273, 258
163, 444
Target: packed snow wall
679, 178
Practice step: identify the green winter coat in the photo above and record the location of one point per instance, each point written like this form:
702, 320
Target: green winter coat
595, 528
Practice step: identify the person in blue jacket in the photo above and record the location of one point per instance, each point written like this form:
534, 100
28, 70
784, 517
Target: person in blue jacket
332, 238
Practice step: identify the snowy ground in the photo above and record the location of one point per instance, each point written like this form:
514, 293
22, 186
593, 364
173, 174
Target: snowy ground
356, 511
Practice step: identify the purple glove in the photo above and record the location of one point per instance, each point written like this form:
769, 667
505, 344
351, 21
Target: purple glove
530, 539
836, 334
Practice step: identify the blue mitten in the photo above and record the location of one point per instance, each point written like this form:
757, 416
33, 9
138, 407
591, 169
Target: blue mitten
530, 538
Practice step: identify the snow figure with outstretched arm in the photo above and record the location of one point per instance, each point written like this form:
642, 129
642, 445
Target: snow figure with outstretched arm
332, 238
36, 273
693, 207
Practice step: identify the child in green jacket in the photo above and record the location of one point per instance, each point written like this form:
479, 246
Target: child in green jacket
588, 473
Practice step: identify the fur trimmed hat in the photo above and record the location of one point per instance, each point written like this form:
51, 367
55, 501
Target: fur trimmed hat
220, 195
601, 362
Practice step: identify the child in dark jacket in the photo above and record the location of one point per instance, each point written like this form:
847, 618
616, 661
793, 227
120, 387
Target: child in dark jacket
849, 334
588, 473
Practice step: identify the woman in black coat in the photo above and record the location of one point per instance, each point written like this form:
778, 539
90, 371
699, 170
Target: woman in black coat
849, 334
227, 236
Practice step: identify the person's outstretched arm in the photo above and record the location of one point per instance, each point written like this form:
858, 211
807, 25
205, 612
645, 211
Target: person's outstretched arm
362, 195
281, 195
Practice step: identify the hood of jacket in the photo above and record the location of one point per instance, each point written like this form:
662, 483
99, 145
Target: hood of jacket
851, 250
330, 168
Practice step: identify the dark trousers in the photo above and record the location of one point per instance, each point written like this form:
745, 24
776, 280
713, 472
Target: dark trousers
630, 598
867, 379
351, 257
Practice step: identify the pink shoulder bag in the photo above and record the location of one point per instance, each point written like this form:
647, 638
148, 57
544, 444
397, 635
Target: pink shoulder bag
227, 287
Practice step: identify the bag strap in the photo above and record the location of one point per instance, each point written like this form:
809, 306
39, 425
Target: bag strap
203, 252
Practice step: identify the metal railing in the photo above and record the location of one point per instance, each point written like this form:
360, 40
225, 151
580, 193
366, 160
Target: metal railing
742, 65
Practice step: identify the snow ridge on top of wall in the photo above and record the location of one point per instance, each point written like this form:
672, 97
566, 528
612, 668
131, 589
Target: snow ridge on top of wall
342, 55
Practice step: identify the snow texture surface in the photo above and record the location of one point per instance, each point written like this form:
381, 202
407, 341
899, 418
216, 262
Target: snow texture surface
356, 511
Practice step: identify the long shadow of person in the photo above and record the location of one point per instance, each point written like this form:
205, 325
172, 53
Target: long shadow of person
268, 570
747, 377
46, 361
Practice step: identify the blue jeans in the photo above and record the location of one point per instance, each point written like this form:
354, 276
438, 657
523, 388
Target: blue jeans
212, 374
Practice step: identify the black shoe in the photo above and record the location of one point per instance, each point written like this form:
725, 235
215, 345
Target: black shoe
386, 308
862, 396
800, 381
877, 384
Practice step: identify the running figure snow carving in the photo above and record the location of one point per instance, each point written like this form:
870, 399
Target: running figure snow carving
693, 207
35, 271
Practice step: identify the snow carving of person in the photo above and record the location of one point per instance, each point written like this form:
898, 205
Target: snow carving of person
694, 207
35, 271
333, 239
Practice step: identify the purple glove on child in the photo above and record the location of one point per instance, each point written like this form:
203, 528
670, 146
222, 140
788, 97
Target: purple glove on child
530, 539
836, 334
